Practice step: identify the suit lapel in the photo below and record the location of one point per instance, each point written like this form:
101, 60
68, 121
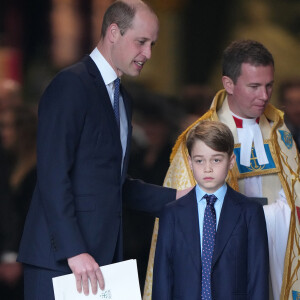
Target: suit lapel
230, 214
109, 112
102, 93
127, 104
189, 225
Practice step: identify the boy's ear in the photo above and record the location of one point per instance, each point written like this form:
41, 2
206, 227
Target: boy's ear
232, 161
190, 162
228, 84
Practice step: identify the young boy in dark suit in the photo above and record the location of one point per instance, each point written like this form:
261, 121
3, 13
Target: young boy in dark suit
212, 243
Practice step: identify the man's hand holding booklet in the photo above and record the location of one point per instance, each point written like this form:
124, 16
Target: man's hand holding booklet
121, 283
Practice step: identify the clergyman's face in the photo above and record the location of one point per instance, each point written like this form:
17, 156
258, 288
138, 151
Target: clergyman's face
134, 47
252, 91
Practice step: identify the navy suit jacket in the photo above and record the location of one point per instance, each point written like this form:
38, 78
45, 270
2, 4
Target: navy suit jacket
77, 202
240, 265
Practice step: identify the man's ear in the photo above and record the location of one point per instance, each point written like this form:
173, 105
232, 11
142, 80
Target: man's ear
228, 84
113, 32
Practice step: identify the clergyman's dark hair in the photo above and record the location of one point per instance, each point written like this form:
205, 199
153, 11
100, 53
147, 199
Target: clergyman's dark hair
244, 51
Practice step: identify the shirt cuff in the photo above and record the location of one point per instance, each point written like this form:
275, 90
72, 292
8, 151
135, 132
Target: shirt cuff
9, 257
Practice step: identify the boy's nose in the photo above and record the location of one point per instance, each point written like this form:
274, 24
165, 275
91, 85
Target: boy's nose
208, 167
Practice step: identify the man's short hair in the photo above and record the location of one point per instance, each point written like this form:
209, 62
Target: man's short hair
119, 13
244, 51
122, 14
214, 134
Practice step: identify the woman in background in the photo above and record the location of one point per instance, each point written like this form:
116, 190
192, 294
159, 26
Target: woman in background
18, 128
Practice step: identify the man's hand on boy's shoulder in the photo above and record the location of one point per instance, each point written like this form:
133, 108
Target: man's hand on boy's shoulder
181, 193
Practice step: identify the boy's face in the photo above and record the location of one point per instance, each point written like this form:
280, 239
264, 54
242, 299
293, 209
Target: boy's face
209, 167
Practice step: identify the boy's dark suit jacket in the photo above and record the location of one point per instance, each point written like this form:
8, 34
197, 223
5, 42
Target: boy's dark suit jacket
77, 202
240, 265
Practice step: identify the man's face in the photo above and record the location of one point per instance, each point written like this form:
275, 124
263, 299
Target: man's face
131, 51
249, 96
209, 167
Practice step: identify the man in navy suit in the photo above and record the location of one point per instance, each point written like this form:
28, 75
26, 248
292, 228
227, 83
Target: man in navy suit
75, 220
229, 262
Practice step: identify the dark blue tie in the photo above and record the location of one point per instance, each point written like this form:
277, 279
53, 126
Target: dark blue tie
116, 100
209, 232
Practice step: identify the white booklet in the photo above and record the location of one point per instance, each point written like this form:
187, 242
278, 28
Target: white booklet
121, 283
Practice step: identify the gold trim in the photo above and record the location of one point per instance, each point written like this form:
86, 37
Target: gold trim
185, 157
149, 275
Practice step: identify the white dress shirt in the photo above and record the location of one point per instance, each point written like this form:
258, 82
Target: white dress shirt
201, 202
109, 75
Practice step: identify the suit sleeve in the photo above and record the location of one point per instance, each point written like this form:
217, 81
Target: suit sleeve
61, 118
146, 197
162, 273
258, 258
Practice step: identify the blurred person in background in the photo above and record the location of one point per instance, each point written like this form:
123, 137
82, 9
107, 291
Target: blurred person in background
10, 93
10, 96
18, 137
195, 100
155, 128
289, 98
156, 119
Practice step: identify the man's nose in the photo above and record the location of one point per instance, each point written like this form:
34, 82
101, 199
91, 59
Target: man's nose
148, 52
264, 94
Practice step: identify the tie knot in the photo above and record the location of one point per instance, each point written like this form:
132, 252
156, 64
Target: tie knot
210, 199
